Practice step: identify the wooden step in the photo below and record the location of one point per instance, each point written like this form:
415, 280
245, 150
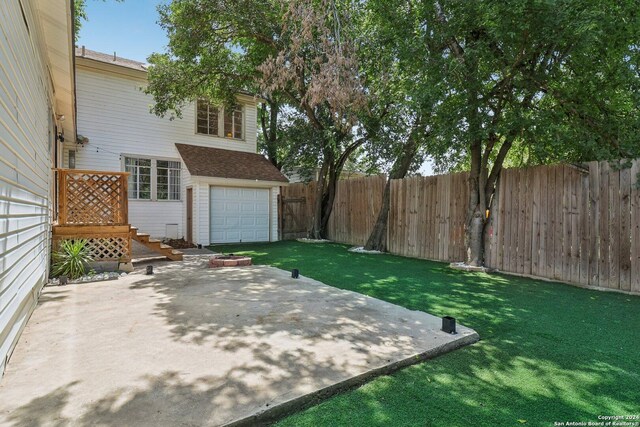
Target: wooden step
155, 245
141, 237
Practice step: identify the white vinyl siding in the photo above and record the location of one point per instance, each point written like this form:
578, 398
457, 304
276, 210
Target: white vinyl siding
26, 143
114, 114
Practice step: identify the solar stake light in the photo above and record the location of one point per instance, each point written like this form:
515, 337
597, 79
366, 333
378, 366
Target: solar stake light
295, 273
449, 325
149, 269
63, 280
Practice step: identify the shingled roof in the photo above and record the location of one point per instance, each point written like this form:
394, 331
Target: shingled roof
82, 52
219, 163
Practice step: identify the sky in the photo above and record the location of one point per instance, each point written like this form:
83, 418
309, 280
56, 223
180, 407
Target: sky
130, 28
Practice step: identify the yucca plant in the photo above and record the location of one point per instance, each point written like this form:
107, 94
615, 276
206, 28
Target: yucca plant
71, 258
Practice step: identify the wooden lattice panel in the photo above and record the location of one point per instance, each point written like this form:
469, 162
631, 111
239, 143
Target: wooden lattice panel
107, 243
109, 248
93, 198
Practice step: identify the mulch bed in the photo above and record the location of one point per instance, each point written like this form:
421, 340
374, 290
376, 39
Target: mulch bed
178, 243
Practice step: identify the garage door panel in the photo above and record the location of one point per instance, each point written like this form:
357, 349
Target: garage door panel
217, 192
217, 236
248, 221
231, 221
239, 215
217, 221
248, 207
233, 193
232, 207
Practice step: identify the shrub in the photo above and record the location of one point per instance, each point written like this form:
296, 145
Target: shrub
71, 259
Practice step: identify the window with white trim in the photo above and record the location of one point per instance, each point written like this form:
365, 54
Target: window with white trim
211, 120
207, 118
153, 179
139, 177
233, 124
167, 180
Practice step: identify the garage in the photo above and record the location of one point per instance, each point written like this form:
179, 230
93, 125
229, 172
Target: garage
239, 214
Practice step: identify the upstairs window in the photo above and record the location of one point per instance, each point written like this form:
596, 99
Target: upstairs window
215, 121
139, 177
233, 124
207, 118
168, 180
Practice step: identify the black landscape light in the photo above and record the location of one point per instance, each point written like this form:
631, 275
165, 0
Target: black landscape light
63, 280
449, 324
295, 273
149, 269
199, 246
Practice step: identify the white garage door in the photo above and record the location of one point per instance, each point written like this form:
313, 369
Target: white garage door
239, 215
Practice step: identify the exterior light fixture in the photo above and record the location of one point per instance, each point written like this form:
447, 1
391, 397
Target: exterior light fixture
449, 324
295, 273
149, 270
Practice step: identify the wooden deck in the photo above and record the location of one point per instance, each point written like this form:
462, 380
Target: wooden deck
93, 205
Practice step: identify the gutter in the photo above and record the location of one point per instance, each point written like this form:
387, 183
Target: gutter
73, 65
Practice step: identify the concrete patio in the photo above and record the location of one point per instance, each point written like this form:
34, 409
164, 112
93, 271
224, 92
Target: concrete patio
194, 346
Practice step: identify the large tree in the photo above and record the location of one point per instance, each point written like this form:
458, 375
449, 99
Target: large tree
297, 55
556, 76
409, 90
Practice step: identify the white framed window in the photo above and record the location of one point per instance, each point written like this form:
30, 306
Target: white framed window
139, 177
167, 180
207, 119
215, 121
153, 179
233, 124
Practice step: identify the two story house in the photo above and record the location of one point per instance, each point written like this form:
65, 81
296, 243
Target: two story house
198, 177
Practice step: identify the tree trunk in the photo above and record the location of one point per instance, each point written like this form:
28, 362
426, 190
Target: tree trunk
326, 191
317, 231
476, 208
269, 132
377, 240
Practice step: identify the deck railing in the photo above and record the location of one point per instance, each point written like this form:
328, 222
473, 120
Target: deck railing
92, 197
93, 205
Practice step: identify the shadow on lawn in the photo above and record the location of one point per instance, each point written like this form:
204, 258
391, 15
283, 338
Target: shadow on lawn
548, 353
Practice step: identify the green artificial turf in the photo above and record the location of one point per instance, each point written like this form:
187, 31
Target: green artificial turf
548, 352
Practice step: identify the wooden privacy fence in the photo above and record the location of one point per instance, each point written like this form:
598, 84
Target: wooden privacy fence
558, 222
573, 225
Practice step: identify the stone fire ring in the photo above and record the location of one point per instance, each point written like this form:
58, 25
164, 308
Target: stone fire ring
229, 261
